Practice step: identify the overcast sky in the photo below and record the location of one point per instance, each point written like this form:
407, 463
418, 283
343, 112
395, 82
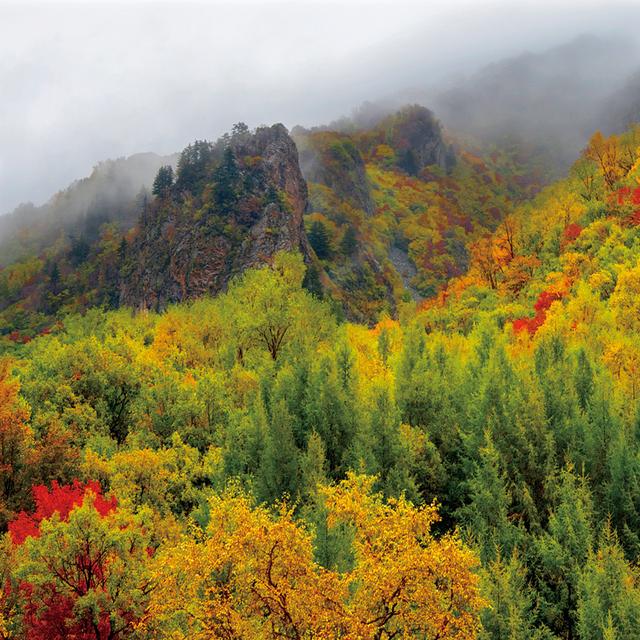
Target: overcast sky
83, 82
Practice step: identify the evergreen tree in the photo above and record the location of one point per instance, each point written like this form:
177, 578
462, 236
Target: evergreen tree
280, 468
79, 252
54, 279
312, 282
163, 182
561, 552
609, 595
226, 178
349, 241
511, 613
193, 166
319, 239
486, 516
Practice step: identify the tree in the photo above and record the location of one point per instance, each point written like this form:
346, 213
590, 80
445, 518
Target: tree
60, 500
79, 251
405, 583
193, 166
510, 614
226, 178
268, 308
561, 552
487, 514
609, 595
349, 241
606, 153
15, 444
253, 575
319, 240
279, 469
312, 282
163, 182
85, 575
625, 300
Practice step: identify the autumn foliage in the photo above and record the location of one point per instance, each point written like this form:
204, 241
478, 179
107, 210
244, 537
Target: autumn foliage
60, 500
253, 575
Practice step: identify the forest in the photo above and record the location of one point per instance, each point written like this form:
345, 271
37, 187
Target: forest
328, 443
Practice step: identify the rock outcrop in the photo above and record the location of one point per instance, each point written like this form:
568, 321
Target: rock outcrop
333, 160
416, 136
247, 205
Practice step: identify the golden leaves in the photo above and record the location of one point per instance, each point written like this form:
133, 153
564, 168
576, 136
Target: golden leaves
253, 575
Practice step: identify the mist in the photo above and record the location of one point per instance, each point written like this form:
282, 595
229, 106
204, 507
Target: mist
80, 83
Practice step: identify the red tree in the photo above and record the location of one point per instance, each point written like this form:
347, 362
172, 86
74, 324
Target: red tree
60, 499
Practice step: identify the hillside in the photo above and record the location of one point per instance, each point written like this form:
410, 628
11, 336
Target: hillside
112, 193
388, 212
392, 208
361, 383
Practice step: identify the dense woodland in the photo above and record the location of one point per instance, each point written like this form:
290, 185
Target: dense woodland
463, 462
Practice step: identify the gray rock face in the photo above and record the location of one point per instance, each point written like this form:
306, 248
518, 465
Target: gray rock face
190, 246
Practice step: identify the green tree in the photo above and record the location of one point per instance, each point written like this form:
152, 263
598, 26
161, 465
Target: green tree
280, 465
511, 611
226, 179
609, 594
267, 308
163, 182
90, 574
562, 551
349, 241
319, 239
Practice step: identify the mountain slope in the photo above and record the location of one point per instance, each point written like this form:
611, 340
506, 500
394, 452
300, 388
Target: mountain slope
243, 203
107, 195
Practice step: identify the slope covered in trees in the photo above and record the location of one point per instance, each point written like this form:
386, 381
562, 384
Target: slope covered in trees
393, 207
254, 465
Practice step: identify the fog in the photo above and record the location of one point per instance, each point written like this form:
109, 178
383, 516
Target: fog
83, 82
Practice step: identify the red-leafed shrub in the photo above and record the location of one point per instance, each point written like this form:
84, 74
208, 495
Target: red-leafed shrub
51, 615
61, 499
622, 194
572, 232
544, 301
521, 324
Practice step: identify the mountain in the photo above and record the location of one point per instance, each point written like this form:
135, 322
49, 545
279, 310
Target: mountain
373, 379
233, 206
393, 206
381, 215
107, 195
622, 108
548, 102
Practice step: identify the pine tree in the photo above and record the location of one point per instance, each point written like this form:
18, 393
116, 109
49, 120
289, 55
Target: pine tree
319, 239
609, 596
349, 241
163, 181
280, 468
226, 178
510, 614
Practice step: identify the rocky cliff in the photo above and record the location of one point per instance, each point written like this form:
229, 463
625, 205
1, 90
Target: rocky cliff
234, 204
332, 159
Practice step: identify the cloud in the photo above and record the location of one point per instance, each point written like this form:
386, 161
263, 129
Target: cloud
89, 81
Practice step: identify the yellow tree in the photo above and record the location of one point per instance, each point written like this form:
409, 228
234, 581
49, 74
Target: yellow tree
405, 582
625, 299
15, 443
252, 574
606, 153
